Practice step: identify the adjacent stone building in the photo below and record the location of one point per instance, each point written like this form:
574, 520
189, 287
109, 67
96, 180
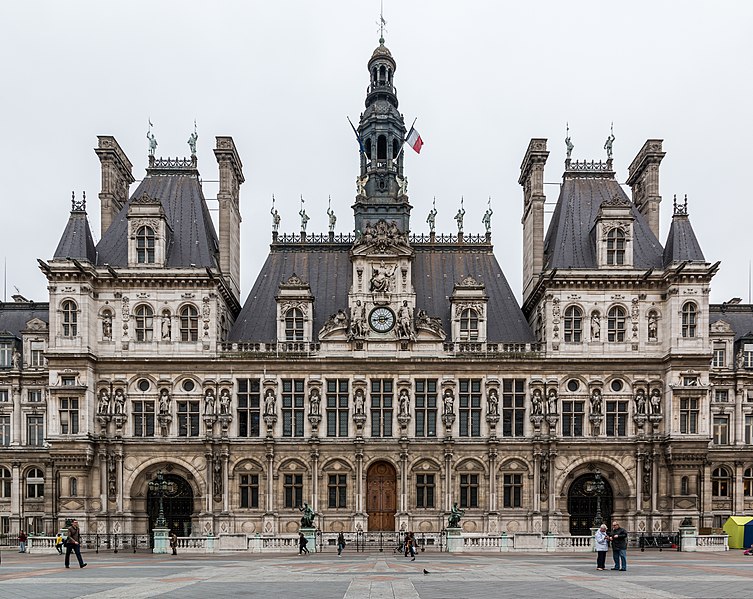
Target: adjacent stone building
378, 375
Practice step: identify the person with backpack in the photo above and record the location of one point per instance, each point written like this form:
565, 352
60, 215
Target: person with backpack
340, 544
302, 542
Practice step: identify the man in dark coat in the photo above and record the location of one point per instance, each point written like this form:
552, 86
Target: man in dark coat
74, 544
618, 538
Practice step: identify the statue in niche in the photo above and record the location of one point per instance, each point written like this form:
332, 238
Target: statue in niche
551, 402
404, 402
655, 401
596, 401
315, 402
107, 325
16, 359
448, 402
595, 326
164, 401
493, 402
225, 401
358, 321
269, 402
217, 478
640, 401
209, 401
404, 321
165, 325
653, 322
380, 278
119, 402
359, 401
103, 406
537, 403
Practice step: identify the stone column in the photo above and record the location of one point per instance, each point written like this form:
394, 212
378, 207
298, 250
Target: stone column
654, 485
209, 506
536, 483
315, 480
15, 495
119, 478
492, 480
639, 482
270, 479
739, 418
739, 502
17, 424
103, 480
225, 483
448, 478
403, 481
359, 481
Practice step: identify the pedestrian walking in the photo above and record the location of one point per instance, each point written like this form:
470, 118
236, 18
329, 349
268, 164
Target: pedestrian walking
59, 543
174, 542
411, 546
340, 544
302, 542
602, 545
22, 541
618, 538
74, 544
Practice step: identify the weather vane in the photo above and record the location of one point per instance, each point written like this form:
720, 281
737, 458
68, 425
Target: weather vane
382, 23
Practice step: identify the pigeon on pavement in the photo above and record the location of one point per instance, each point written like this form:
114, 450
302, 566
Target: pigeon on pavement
426, 571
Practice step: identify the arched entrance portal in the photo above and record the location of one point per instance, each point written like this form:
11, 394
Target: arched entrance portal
381, 496
177, 504
581, 504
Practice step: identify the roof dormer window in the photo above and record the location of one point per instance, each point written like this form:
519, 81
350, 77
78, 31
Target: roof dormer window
294, 325
145, 245
615, 247
469, 325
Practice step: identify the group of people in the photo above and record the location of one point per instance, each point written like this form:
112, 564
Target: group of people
617, 537
409, 546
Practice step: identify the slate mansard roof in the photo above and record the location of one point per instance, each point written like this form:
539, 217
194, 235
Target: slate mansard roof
738, 316
328, 270
569, 242
77, 241
682, 243
15, 315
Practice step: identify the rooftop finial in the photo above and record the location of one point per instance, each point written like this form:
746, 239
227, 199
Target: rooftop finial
382, 23
78, 206
568, 143
610, 141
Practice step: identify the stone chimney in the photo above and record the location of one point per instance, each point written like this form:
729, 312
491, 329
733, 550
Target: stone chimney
643, 178
231, 178
532, 180
117, 175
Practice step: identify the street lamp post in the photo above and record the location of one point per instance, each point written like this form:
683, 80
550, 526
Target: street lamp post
159, 487
598, 490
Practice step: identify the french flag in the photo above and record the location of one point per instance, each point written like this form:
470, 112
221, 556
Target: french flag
414, 140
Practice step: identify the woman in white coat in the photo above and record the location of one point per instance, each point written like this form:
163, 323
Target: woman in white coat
602, 546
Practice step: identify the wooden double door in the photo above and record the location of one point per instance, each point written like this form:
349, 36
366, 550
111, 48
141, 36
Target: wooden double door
381, 496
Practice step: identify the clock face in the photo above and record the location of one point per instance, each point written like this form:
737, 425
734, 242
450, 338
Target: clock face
382, 320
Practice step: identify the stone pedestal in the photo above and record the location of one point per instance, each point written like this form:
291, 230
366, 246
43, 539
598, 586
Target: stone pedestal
161, 540
310, 534
689, 538
505, 542
454, 540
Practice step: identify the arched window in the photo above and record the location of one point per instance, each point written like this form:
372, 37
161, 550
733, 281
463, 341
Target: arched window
685, 486
382, 147
382, 74
368, 148
70, 318
748, 482
145, 245
720, 482
573, 325
144, 322
374, 76
73, 487
469, 325
189, 323
34, 484
616, 247
616, 325
5, 480
689, 318
294, 325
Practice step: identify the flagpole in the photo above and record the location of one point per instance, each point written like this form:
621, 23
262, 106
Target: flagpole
402, 146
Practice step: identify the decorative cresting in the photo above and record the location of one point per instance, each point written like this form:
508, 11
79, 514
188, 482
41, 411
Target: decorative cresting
595, 169
172, 166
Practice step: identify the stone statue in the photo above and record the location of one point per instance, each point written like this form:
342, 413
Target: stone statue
640, 402
551, 402
487, 219
609, 142
152, 142
595, 326
307, 520
217, 478
432, 218
655, 401
653, 326
304, 219
269, 402
596, 401
404, 402
459, 218
569, 145
448, 402
537, 403
380, 279
404, 321
315, 403
455, 514
166, 326
492, 401
361, 185
225, 401
359, 401
275, 219
402, 183
103, 406
164, 402
192, 142
332, 219
358, 321
107, 325
16, 359
209, 401
119, 402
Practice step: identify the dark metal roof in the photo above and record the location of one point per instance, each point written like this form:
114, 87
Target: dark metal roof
682, 243
327, 269
569, 242
738, 316
77, 241
193, 240
15, 315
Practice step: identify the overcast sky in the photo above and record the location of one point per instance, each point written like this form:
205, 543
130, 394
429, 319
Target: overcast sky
482, 77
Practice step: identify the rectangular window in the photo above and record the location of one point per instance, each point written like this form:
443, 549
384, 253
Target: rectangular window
337, 491
513, 407
5, 525
572, 418
68, 381
721, 395
34, 395
748, 428
381, 407
720, 356
4, 396
6, 353
292, 407
470, 407
337, 407
513, 487
143, 418
748, 355
68, 415
425, 491
721, 430
4, 430
188, 418
35, 430
468, 490
426, 407
689, 415
617, 414
250, 491
293, 484
36, 354
249, 413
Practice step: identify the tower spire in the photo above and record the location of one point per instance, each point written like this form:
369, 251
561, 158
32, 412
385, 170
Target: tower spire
382, 23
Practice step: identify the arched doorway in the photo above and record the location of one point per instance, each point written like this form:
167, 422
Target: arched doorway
581, 504
177, 504
381, 496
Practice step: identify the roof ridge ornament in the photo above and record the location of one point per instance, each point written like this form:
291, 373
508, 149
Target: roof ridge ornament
680, 209
79, 206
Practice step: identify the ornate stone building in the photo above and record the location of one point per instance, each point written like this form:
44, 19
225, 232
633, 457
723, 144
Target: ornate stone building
380, 375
